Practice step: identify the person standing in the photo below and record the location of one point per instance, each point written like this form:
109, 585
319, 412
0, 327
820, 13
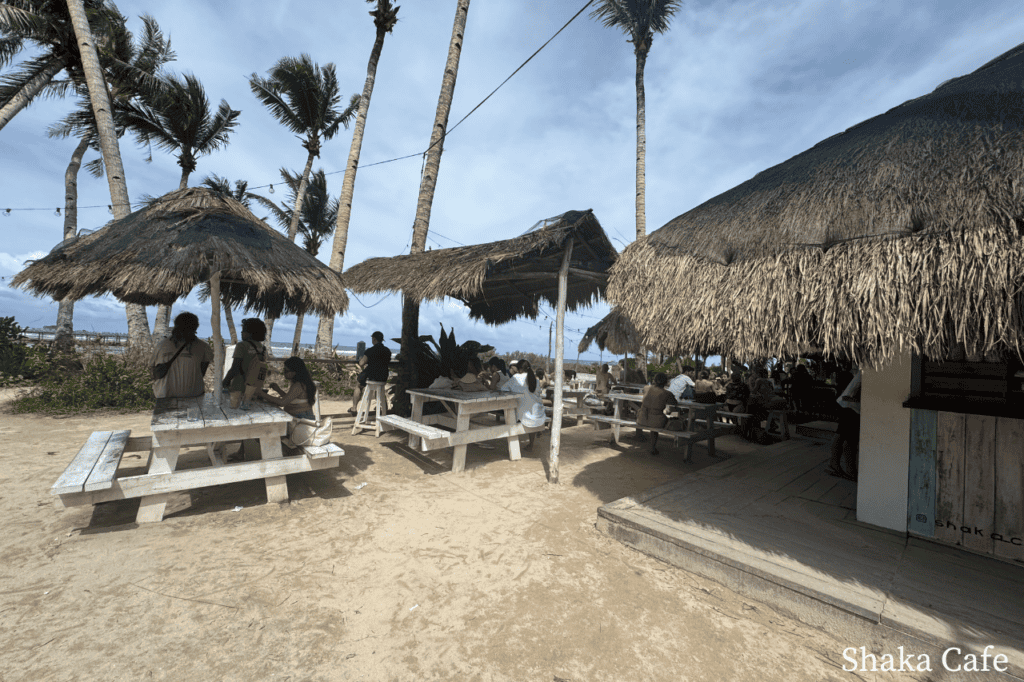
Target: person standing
248, 362
187, 359
375, 363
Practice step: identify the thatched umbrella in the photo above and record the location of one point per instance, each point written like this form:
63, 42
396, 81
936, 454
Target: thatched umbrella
161, 252
563, 260
903, 232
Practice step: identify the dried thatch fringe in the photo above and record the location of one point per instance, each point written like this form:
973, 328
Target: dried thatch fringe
866, 299
614, 333
159, 253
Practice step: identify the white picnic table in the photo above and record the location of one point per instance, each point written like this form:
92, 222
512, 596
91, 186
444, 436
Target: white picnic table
182, 422
459, 407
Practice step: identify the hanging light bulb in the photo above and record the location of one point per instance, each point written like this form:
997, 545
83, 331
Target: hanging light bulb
271, 189
7, 213
56, 212
110, 209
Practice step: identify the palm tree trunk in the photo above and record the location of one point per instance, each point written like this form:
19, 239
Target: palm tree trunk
641, 146
138, 325
298, 334
162, 321
231, 322
29, 92
64, 338
325, 331
411, 307
300, 195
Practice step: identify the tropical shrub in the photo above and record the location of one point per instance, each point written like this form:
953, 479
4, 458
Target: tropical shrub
19, 362
105, 381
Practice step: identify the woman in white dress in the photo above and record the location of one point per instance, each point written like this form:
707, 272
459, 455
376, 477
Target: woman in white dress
530, 410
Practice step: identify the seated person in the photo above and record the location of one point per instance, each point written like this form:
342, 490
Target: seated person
470, 378
604, 380
495, 374
299, 399
736, 394
189, 358
530, 410
761, 401
704, 389
682, 386
543, 380
652, 409
720, 384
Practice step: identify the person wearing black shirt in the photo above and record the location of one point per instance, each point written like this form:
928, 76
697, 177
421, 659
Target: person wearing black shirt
375, 366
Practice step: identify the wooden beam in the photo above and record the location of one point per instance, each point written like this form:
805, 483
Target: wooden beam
218, 340
556, 417
521, 276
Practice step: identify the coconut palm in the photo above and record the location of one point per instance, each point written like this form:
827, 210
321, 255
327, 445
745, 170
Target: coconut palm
428, 181
385, 16
138, 325
640, 20
305, 99
176, 116
44, 28
144, 56
315, 223
242, 195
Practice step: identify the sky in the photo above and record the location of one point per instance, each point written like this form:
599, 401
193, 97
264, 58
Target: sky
733, 87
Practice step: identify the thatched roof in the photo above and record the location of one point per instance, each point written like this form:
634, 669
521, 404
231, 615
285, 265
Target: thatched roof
903, 232
500, 281
614, 333
159, 253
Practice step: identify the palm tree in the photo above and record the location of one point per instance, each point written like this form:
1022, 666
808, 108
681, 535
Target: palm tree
316, 221
242, 195
640, 20
305, 98
44, 26
176, 117
385, 16
428, 181
138, 325
145, 56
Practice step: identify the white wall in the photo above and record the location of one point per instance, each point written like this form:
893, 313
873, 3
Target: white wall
884, 445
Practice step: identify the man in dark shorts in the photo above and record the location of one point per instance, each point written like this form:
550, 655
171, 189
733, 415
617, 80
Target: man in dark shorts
375, 366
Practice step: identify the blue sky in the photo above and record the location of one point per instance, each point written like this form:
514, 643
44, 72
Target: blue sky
733, 88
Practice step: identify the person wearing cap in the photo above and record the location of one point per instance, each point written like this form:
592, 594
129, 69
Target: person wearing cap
375, 366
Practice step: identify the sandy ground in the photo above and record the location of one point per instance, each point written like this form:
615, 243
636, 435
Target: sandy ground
419, 574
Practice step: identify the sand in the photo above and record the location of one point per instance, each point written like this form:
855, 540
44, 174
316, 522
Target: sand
388, 568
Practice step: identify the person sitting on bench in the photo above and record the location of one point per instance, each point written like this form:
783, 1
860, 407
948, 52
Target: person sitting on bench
530, 410
652, 409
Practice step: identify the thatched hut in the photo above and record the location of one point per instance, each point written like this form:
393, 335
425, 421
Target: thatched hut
159, 253
504, 280
562, 260
898, 243
614, 333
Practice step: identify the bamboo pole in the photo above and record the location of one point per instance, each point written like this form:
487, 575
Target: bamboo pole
556, 418
218, 341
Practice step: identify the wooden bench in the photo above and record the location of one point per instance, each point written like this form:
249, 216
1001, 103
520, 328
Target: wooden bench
689, 437
431, 438
92, 476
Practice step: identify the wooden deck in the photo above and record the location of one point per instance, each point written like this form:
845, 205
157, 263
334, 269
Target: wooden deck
771, 525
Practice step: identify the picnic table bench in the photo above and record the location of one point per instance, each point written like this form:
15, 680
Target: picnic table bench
93, 477
701, 423
424, 435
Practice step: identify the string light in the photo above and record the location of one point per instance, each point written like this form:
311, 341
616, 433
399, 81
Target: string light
56, 212
271, 190
110, 209
7, 213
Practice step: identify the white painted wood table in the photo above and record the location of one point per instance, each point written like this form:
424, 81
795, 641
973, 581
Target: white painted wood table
211, 423
459, 407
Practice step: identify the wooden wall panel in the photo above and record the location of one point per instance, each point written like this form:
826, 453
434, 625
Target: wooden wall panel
979, 482
921, 474
949, 476
1009, 492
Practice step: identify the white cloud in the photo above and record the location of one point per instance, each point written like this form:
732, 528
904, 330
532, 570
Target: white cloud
14, 264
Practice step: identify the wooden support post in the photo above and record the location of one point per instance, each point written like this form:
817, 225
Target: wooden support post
556, 417
218, 341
